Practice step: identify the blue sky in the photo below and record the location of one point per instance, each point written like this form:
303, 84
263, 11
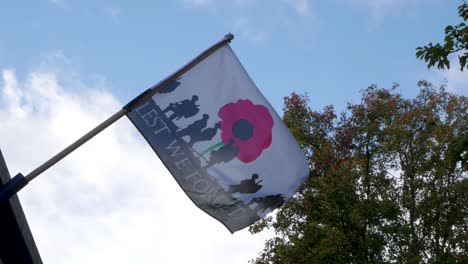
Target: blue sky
67, 65
330, 49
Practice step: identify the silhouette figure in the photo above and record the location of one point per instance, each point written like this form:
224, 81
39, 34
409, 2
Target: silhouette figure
186, 108
205, 135
195, 127
268, 202
224, 153
170, 87
247, 186
197, 132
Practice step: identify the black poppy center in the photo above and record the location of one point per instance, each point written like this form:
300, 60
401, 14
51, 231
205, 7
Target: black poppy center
242, 129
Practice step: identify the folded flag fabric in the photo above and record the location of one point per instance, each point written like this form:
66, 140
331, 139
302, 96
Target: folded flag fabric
222, 141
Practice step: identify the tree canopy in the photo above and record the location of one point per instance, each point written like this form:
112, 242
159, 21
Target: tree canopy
455, 41
388, 182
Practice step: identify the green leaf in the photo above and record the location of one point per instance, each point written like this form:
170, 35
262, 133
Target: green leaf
463, 60
455, 40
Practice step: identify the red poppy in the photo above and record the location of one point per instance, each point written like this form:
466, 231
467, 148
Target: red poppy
248, 125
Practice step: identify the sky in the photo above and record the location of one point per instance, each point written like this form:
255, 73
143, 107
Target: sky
65, 66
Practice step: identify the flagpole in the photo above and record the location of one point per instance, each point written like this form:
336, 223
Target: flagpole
19, 181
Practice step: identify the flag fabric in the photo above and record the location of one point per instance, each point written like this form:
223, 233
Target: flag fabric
222, 141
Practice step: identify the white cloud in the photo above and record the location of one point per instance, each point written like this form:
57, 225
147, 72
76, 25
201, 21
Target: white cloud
244, 28
379, 9
198, 3
113, 11
60, 3
111, 201
302, 7
456, 80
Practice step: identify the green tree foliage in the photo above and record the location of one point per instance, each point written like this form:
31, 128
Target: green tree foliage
456, 40
388, 182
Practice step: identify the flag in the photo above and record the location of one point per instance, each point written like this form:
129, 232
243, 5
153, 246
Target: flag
222, 141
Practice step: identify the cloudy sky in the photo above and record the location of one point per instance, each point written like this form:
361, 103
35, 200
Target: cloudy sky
67, 65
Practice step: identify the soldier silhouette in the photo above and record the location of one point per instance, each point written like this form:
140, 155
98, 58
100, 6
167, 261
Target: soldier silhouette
186, 108
268, 202
224, 153
196, 131
170, 87
246, 186
205, 135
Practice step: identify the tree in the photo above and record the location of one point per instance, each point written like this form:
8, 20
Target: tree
456, 40
388, 182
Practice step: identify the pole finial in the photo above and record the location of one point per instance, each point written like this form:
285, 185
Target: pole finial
229, 37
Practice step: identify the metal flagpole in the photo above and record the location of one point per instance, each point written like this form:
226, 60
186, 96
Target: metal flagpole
19, 181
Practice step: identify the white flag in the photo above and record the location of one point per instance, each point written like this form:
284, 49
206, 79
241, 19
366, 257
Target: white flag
222, 141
